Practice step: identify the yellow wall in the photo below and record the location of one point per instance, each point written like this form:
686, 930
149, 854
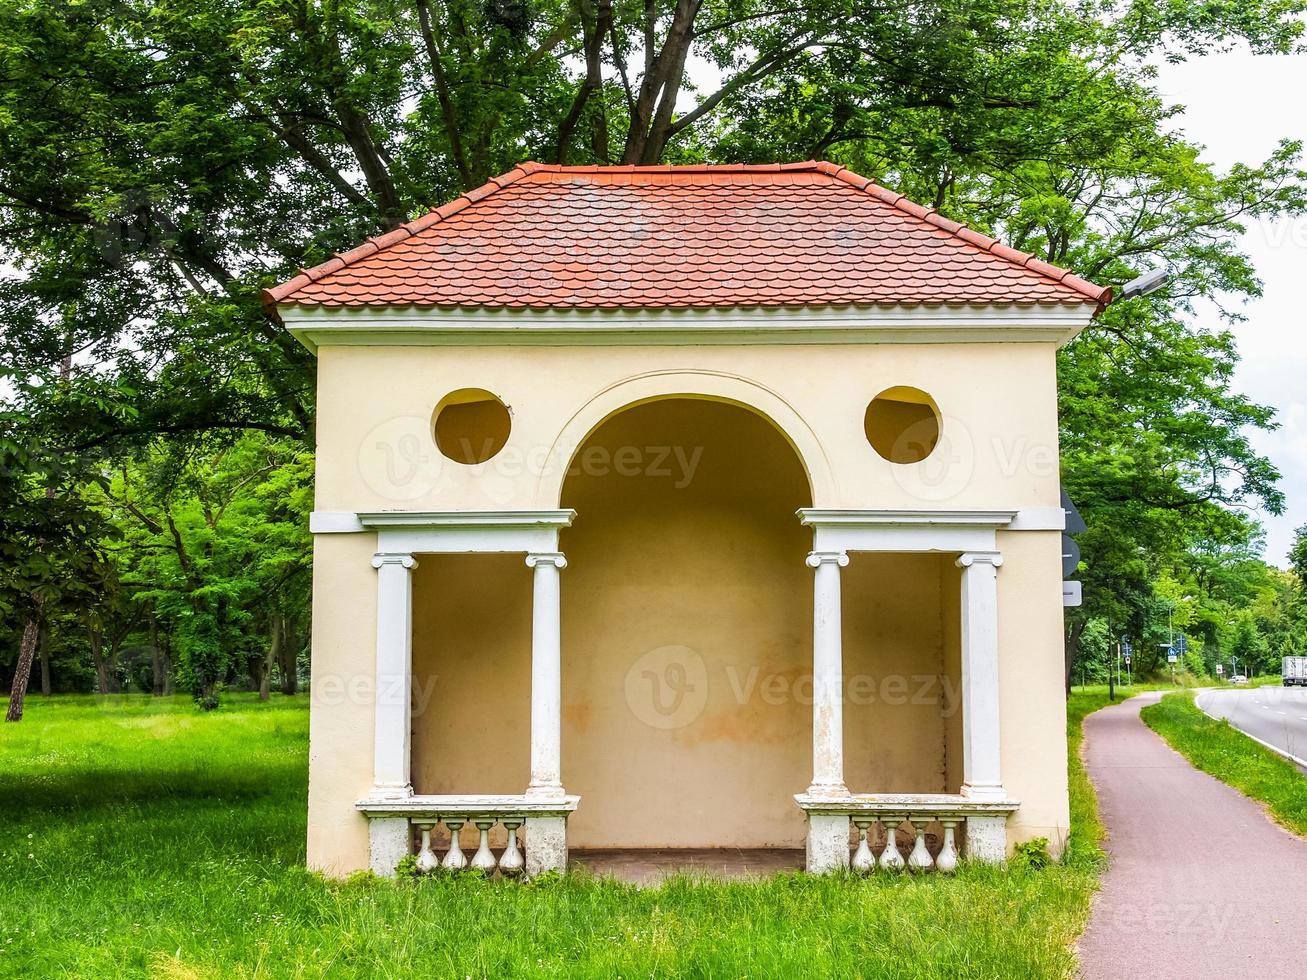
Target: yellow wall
998, 402
698, 578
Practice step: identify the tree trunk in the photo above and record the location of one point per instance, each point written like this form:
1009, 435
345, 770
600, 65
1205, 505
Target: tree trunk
43, 644
156, 660
289, 665
18, 690
165, 654
272, 656
104, 679
1071, 649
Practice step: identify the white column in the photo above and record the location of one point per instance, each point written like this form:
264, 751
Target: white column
390, 752
981, 772
827, 676
546, 679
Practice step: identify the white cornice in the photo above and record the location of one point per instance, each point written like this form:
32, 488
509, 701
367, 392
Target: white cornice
425, 326
408, 532
994, 519
943, 531
467, 518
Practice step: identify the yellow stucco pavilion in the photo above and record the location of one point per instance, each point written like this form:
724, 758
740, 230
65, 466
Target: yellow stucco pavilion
685, 508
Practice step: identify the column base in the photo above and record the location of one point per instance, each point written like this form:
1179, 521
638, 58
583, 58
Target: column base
984, 791
534, 792
987, 838
390, 791
546, 845
389, 841
828, 842
830, 791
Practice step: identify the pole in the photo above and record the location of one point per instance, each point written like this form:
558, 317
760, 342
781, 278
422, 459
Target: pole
1170, 635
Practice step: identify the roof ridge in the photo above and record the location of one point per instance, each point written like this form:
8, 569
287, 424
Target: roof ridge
1102, 295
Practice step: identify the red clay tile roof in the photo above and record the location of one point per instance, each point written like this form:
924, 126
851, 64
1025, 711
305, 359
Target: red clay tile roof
802, 234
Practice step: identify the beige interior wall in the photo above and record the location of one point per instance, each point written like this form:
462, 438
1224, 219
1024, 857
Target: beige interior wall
894, 722
471, 674
691, 583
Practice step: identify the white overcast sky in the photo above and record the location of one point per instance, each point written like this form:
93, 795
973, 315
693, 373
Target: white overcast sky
1239, 106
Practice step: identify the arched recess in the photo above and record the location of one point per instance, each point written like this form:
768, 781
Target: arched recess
711, 385
687, 629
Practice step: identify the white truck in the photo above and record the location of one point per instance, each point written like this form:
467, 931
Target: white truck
1295, 671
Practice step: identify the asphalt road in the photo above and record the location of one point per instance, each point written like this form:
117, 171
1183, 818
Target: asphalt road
1274, 715
1200, 883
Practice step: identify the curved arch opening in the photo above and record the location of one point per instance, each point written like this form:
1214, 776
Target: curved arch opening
687, 619
780, 433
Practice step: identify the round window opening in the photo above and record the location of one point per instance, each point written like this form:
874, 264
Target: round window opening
471, 425
902, 424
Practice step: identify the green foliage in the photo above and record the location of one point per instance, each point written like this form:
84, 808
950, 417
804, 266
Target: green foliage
1032, 854
217, 547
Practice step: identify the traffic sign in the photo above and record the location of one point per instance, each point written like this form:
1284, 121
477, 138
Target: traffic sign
1070, 555
1220, 669
1074, 522
1071, 593
1182, 644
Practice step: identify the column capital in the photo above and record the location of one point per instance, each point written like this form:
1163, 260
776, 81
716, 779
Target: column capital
555, 558
817, 558
969, 558
394, 558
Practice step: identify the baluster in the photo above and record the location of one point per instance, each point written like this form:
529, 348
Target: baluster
484, 859
862, 857
511, 862
455, 859
947, 861
427, 860
890, 858
920, 859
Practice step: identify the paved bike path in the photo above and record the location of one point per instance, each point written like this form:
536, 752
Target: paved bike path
1201, 882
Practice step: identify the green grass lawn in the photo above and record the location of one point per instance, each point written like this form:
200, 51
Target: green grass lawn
139, 837
1216, 747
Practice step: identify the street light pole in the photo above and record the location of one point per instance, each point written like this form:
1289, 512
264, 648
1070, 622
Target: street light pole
1170, 636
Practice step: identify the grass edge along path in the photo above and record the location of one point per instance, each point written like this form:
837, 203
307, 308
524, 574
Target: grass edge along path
143, 838
1219, 749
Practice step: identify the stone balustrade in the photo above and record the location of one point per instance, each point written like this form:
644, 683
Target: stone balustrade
392, 822
985, 823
